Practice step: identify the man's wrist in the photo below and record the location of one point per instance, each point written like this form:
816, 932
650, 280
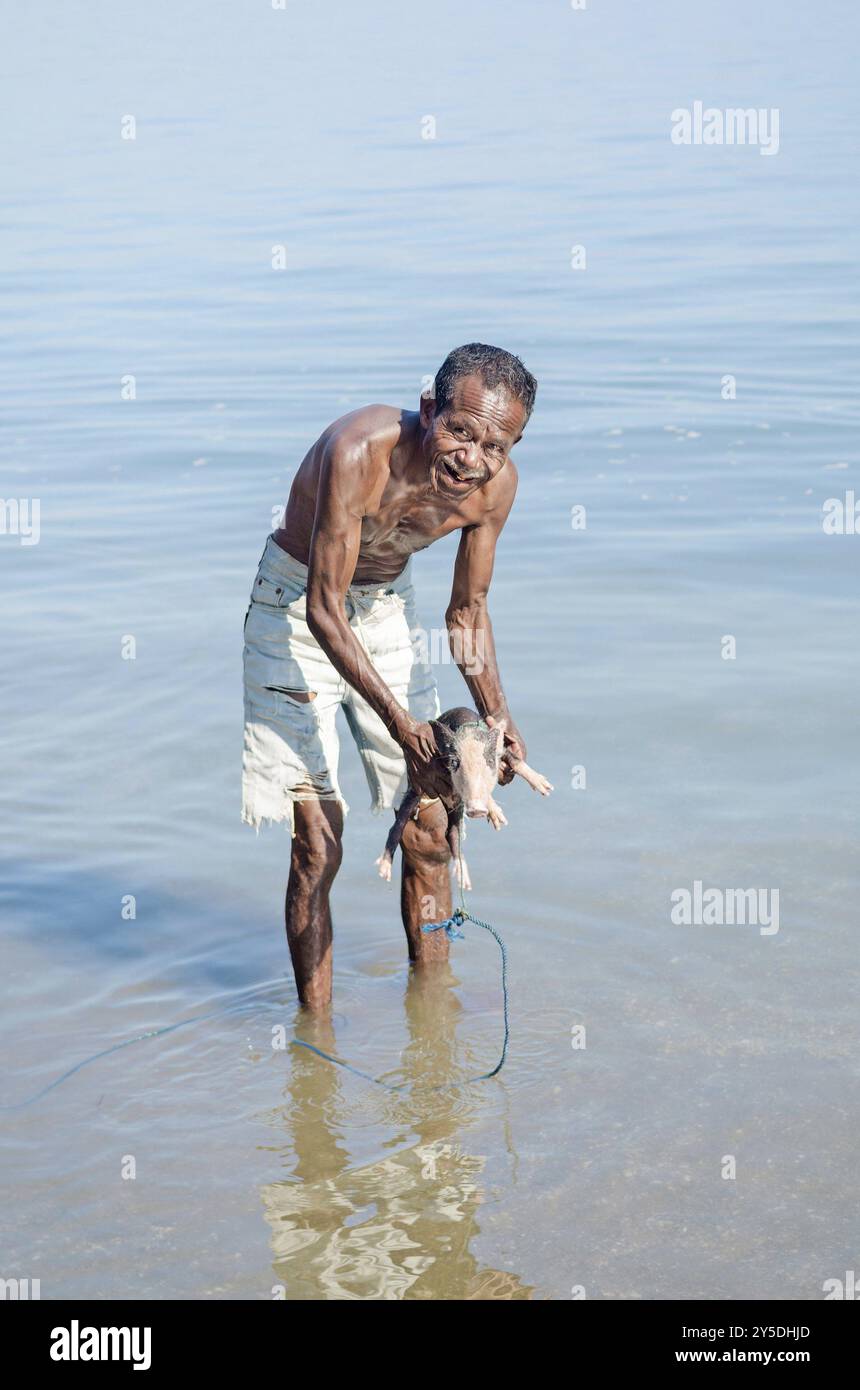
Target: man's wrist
498, 711
399, 723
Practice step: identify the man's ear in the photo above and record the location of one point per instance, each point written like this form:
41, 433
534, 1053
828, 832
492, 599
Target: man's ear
427, 409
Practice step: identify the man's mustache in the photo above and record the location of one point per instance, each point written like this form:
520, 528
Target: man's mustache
460, 477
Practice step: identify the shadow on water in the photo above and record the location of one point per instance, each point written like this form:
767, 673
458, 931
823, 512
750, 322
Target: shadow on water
83, 981
75, 916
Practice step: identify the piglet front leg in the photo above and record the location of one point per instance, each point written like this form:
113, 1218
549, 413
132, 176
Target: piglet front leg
453, 836
536, 780
517, 765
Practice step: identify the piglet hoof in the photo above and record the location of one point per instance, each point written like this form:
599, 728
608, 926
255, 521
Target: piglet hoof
461, 873
495, 815
528, 774
383, 864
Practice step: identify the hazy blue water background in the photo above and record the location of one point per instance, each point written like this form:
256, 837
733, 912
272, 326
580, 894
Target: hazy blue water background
153, 258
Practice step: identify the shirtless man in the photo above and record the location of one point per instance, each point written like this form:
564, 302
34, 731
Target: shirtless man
329, 624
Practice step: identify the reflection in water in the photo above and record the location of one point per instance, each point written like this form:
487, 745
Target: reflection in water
399, 1227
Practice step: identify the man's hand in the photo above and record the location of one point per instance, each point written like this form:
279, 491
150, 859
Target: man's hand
419, 749
512, 742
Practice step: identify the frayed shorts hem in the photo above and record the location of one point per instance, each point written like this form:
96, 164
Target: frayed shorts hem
286, 815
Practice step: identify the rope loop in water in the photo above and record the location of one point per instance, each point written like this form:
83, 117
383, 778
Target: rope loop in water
450, 926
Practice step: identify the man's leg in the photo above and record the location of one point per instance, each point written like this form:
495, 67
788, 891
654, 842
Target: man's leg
425, 889
315, 859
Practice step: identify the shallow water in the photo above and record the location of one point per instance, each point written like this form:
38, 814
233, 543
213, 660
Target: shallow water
261, 1169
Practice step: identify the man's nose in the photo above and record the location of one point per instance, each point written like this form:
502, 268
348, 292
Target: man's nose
467, 456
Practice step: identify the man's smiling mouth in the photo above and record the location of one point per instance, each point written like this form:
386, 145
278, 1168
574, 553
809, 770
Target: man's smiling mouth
452, 478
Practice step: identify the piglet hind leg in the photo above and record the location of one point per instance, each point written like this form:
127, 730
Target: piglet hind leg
536, 780
404, 811
461, 874
454, 837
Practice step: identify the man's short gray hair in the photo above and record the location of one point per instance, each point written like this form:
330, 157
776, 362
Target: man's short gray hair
495, 367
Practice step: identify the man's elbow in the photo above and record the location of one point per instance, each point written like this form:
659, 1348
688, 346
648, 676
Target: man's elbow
320, 619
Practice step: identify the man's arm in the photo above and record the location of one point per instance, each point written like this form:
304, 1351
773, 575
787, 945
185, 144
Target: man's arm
346, 482
470, 632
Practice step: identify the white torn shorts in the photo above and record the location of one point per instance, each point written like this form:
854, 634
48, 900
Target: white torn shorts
291, 746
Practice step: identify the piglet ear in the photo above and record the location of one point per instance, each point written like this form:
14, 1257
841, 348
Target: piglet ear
442, 736
498, 727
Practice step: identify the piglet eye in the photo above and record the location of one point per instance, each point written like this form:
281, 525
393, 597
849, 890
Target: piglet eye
453, 763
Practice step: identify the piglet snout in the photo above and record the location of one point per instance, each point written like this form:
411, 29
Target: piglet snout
476, 811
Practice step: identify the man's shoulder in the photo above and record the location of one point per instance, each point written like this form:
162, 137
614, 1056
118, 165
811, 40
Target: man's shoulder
366, 432
501, 490
489, 506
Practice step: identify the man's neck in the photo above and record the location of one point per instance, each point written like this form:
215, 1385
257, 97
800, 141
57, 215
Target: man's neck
414, 468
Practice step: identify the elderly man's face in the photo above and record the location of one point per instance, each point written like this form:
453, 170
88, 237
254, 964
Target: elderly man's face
468, 441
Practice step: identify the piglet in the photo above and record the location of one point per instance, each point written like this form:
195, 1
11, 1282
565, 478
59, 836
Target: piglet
465, 771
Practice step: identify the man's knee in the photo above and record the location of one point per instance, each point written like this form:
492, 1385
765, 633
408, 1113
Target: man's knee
424, 840
317, 847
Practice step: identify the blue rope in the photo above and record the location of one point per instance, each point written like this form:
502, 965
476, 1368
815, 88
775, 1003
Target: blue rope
450, 927
129, 1042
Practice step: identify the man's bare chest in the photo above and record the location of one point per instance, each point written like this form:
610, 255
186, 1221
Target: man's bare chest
400, 529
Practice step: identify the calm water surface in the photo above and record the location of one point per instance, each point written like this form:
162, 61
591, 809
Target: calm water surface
598, 1167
